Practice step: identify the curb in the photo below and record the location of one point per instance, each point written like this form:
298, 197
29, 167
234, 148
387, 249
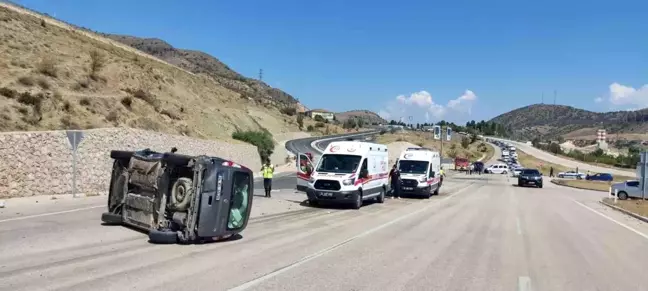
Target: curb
637, 216
575, 187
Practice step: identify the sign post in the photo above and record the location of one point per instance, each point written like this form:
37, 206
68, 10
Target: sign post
75, 137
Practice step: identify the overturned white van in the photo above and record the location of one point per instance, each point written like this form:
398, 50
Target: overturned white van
419, 168
348, 172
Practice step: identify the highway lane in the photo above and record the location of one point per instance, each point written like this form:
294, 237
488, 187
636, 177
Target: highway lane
482, 233
305, 145
545, 156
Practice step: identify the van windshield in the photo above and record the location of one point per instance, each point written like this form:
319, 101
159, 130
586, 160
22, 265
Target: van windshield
413, 167
339, 163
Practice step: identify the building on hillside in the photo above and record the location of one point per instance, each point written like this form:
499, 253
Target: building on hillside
601, 139
320, 112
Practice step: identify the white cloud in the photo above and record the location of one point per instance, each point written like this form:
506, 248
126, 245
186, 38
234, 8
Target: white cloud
625, 95
598, 99
421, 104
421, 99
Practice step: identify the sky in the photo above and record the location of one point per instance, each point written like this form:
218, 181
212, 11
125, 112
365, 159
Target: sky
431, 60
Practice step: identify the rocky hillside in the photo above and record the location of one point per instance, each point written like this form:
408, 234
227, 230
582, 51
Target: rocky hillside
57, 76
559, 120
201, 63
368, 116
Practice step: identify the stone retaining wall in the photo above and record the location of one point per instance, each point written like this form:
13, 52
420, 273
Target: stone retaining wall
40, 163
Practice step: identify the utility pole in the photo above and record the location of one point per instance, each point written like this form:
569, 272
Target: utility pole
260, 74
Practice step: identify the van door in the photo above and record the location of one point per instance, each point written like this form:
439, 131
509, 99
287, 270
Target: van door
305, 169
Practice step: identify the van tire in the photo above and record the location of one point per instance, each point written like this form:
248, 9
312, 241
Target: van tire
357, 204
381, 197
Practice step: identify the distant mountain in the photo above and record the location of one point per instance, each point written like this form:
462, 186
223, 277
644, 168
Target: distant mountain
202, 63
548, 121
366, 115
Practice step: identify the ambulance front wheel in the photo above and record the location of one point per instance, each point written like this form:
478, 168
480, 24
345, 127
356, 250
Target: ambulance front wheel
357, 204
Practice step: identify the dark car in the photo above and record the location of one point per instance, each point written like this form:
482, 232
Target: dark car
600, 177
530, 177
479, 166
179, 198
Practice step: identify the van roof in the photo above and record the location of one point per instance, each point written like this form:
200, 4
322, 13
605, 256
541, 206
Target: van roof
354, 148
419, 155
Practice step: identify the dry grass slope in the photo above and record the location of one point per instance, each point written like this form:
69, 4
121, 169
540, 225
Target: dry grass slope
54, 76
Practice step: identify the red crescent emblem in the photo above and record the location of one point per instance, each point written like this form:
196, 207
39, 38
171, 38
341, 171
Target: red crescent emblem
335, 148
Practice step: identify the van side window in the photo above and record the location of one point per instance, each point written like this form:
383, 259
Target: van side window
633, 183
363, 169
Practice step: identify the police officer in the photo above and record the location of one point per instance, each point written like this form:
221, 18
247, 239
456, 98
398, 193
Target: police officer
267, 171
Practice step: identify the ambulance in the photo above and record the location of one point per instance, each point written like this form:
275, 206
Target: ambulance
348, 172
419, 169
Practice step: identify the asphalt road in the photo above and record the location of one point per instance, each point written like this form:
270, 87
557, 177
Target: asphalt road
304, 145
582, 167
481, 233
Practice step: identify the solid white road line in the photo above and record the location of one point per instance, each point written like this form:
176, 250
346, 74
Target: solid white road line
517, 223
51, 213
612, 219
524, 283
325, 251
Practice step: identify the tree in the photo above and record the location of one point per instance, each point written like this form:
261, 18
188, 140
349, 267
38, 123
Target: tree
535, 142
473, 138
452, 153
318, 118
300, 121
261, 139
465, 142
360, 123
555, 148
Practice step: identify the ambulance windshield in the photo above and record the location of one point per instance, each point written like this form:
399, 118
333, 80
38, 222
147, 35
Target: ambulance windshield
339, 163
413, 167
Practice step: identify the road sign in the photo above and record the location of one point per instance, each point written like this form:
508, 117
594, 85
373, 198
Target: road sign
75, 137
437, 132
448, 134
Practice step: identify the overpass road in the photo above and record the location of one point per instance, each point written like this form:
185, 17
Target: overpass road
481, 233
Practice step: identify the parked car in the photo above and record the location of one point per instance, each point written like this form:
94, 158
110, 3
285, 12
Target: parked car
530, 177
571, 174
627, 189
600, 177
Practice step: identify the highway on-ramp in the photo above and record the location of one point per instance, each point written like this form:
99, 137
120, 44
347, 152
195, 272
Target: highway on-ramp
482, 233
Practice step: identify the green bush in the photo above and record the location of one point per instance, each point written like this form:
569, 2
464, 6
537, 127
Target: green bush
261, 139
318, 118
465, 142
310, 128
319, 125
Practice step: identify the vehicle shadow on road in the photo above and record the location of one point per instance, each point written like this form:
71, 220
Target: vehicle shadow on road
325, 205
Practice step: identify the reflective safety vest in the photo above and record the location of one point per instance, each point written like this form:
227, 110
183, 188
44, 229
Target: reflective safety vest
441, 172
267, 171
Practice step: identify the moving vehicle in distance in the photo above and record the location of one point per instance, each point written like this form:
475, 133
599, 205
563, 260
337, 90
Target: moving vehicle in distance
571, 174
498, 169
179, 198
530, 177
419, 168
348, 172
600, 177
461, 164
516, 170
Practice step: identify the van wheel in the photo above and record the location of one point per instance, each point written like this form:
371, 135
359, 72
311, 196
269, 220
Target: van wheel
381, 197
622, 195
358, 201
436, 192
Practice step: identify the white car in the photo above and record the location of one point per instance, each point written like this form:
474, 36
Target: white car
571, 174
516, 171
498, 169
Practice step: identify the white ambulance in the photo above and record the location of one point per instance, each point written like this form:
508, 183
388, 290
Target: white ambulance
347, 172
419, 170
